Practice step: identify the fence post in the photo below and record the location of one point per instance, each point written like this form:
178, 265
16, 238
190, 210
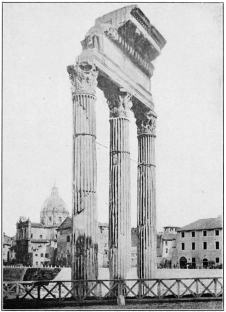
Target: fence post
139, 289
159, 288
79, 291
178, 288
120, 297
215, 287
39, 291
59, 284
197, 287
17, 291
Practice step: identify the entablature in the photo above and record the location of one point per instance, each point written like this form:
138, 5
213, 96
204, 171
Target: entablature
131, 31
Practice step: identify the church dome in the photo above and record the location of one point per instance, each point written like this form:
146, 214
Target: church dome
54, 202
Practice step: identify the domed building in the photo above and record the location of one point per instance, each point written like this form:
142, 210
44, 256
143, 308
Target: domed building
36, 243
54, 210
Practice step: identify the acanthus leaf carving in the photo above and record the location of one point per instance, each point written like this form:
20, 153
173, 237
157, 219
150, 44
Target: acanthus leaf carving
119, 101
145, 120
83, 77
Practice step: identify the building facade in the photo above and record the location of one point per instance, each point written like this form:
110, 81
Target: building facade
64, 237
168, 238
6, 245
199, 244
36, 243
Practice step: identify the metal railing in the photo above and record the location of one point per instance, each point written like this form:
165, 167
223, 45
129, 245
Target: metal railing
84, 291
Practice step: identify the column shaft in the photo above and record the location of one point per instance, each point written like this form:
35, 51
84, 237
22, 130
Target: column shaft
119, 199
146, 219
83, 77
84, 247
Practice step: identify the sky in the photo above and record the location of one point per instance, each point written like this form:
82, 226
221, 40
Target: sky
41, 39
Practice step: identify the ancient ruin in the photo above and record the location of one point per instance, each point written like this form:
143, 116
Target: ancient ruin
117, 58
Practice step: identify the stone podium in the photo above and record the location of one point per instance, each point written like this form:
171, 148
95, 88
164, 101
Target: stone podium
117, 58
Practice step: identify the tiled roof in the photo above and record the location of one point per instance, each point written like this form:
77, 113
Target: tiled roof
168, 236
203, 224
36, 225
170, 226
66, 224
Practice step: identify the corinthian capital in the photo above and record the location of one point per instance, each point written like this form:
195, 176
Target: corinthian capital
119, 101
145, 120
83, 77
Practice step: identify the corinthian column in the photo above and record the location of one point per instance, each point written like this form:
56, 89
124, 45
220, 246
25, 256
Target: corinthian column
119, 186
146, 195
83, 77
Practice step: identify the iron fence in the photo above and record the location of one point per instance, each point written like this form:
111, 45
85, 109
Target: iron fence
87, 291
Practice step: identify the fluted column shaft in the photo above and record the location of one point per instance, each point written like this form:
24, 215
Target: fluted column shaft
84, 214
119, 187
146, 196
146, 219
119, 198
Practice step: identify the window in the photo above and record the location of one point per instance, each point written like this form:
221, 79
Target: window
193, 234
36, 263
217, 232
182, 234
41, 254
50, 218
193, 246
217, 260
56, 235
204, 245
68, 238
40, 236
217, 245
60, 219
31, 235
204, 233
36, 255
166, 243
182, 246
47, 255
166, 250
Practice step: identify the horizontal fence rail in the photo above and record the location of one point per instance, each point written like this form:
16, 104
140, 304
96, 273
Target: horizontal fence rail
87, 291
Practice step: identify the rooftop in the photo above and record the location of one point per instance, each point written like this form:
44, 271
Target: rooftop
169, 236
36, 225
170, 226
40, 240
203, 224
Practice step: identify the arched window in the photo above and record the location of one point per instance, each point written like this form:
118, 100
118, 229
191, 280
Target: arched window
183, 263
68, 238
205, 263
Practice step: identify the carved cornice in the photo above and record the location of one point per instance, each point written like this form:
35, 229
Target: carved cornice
83, 77
145, 120
119, 101
127, 47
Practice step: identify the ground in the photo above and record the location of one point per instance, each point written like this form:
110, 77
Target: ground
203, 305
